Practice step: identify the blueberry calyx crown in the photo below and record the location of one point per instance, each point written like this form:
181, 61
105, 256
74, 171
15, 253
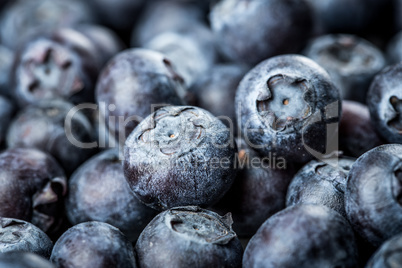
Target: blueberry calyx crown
395, 120
175, 130
286, 100
200, 225
50, 71
11, 237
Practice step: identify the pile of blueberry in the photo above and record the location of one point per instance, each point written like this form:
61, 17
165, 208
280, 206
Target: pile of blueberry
195, 133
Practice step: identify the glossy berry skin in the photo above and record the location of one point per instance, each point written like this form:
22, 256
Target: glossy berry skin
61, 64
132, 85
372, 198
23, 260
357, 134
178, 156
93, 244
320, 183
98, 191
166, 16
32, 188
215, 91
285, 104
258, 192
43, 126
351, 61
384, 102
278, 27
39, 15
302, 236
21, 236
388, 255
189, 237
192, 51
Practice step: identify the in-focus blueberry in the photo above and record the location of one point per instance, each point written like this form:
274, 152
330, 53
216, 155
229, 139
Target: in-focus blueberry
179, 156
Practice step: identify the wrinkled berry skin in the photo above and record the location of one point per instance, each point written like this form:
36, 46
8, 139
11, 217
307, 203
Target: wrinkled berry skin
357, 134
320, 183
215, 91
93, 244
388, 255
193, 52
21, 19
278, 27
258, 191
308, 236
384, 101
189, 237
62, 64
23, 260
17, 235
286, 104
98, 191
166, 16
373, 194
179, 156
6, 113
131, 84
351, 61
32, 187
44, 126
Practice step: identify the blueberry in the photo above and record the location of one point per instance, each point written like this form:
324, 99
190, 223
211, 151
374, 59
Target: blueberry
215, 91
192, 52
93, 244
17, 235
284, 105
384, 102
106, 42
346, 16
166, 16
388, 255
20, 19
44, 126
303, 236
32, 186
132, 84
351, 61
179, 156
98, 191
321, 183
373, 194
189, 237
258, 191
357, 134
59, 65
252, 31
117, 14
23, 260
